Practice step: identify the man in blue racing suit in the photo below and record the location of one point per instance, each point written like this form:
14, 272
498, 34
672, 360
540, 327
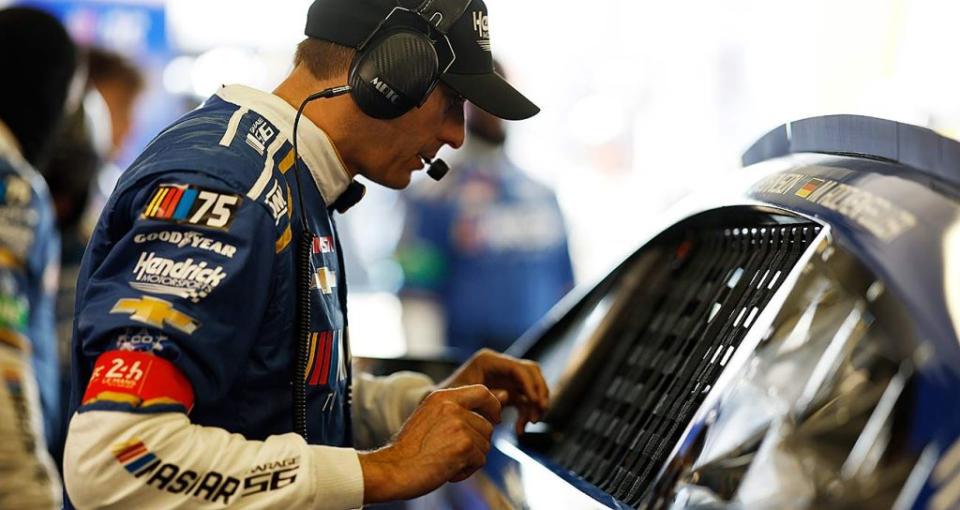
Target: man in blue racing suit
189, 387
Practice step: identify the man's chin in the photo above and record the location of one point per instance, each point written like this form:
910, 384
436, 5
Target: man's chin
397, 182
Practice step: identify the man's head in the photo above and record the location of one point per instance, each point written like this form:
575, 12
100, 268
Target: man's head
38, 61
337, 28
120, 83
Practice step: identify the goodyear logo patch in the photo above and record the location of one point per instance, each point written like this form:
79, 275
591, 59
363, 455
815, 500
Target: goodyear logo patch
192, 205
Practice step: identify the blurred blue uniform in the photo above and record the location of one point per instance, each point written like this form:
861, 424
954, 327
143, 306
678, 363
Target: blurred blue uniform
193, 259
29, 261
489, 244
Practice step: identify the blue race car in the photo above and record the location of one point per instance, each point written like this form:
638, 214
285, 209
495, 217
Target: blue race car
790, 341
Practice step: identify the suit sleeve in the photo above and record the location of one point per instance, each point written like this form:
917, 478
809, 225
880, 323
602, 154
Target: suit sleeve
382, 404
187, 277
165, 322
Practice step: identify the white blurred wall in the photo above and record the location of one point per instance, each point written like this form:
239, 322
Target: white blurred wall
644, 100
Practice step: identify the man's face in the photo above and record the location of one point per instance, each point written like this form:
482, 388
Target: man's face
420, 132
120, 100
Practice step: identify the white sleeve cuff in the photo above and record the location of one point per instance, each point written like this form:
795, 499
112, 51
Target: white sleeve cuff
382, 404
339, 478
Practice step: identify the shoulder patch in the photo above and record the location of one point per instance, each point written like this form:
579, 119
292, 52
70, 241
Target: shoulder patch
19, 218
191, 205
276, 200
156, 312
261, 134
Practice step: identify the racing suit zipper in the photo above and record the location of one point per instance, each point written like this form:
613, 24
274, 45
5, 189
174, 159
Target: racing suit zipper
302, 353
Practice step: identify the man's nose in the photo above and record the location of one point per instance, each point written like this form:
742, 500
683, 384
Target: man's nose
453, 129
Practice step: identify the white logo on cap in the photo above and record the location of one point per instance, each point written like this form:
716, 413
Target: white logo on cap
481, 25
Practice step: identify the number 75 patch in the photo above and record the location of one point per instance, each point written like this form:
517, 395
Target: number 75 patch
193, 205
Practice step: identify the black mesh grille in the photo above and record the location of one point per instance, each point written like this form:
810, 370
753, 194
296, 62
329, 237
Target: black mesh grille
670, 351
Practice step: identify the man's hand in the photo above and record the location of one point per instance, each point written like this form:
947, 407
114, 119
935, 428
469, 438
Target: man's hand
446, 439
521, 380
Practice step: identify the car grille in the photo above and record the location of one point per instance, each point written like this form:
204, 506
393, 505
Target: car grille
670, 349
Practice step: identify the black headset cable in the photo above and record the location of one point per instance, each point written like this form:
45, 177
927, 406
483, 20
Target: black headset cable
303, 278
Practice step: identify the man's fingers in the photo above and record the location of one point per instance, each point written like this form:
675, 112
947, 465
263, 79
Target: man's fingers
526, 375
479, 424
541, 394
477, 397
476, 460
522, 420
475, 456
541, 383
479, 439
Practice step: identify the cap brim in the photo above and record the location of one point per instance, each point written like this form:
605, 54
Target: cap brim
492, 94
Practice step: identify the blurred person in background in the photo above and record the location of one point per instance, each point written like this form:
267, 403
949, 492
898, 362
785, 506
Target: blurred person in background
484, 252
200, 379
93, 133
120, 83
37, 61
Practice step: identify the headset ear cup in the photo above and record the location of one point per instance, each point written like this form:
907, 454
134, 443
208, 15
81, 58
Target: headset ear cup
394, 73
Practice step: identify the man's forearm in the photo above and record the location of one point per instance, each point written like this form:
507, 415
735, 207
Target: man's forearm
382, 404
127, 460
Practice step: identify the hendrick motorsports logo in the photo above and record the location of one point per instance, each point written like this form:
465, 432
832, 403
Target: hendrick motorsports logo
481, 26
189, 238
188, 279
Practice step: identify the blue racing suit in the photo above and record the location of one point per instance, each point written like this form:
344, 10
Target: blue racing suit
29, 256
192, 262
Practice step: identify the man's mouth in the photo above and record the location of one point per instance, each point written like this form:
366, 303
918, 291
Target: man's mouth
426, 159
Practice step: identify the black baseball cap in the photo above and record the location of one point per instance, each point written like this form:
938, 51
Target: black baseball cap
350, 22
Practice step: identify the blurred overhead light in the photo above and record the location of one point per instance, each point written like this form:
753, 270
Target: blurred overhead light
223, 66
597, 119
177, 75
198, 26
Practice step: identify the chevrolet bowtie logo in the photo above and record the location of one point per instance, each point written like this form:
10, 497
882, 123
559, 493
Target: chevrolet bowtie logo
325, 280
156, 312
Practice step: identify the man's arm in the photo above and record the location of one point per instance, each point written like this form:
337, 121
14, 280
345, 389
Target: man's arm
146, 351
382, 404
127, 460
147, 358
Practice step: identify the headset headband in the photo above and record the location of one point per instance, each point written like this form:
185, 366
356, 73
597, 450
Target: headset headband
442, 14
406, 35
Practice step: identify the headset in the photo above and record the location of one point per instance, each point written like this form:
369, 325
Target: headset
400, 63
396, 68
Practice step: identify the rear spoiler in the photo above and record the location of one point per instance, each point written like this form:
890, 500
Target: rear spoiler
867, 137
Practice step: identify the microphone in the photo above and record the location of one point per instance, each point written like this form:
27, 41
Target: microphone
436, 168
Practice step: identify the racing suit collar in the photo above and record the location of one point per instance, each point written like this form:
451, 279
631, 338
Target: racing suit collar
9, 147
315, 148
